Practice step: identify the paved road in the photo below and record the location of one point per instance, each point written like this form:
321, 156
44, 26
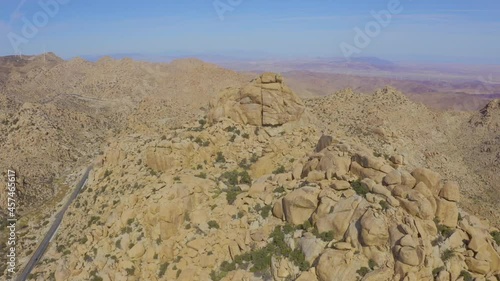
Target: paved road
50, 234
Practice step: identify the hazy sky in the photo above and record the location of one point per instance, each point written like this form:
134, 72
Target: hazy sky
445, 30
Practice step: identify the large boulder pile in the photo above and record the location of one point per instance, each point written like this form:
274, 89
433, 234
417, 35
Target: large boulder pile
386, 223
265, 101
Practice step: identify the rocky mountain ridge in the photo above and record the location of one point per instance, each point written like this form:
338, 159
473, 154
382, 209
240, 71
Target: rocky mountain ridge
232, 201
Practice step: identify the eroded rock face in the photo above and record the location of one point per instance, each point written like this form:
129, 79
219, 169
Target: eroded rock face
265, 101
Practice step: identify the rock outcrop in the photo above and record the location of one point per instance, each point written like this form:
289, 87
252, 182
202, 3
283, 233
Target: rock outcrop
265, 101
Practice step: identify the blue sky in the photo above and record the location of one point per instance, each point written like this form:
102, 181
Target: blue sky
445, 30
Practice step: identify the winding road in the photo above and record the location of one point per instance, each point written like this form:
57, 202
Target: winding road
53, 229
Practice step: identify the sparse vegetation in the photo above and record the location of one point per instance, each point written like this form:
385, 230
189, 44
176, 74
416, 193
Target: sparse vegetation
202, 175
363, 271
372, 264
496, 237
443, 230
263, 211
359, 188
436, 271
466, 275
447, 254
163, 269
244, 164
213, 224
254, 158
107, 173
130, 271
385, 206
280, 170
325, 236
220, 158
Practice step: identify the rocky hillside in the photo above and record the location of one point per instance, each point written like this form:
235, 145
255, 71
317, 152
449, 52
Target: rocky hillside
57, 116
227, 200
462, 146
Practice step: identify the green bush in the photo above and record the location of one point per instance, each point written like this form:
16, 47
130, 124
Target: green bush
220, 158
280, 170
213, 224
325, 236
232, 193
234, 177
130, 271
443, 230
254, 158
163, 269
363, 271
260, 259
436, 271
83, 240
496, 237
359, 188
263, 211
107, 173
447, 254
201, 175
244, 164
372, 264
384, 205
466, 275
245, 178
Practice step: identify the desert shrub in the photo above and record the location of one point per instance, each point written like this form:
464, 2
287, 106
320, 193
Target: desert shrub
130, 271
245, 135
280, 170
359, 188
245, 177
254, 158
325, 236
163, 269
363, 271
232, 193
213, 224
305, 226
220, 158
107, 173
443, 230
384, 205
372, 264
466, 275
201, 175
263, 211
177, 178
280, 189
436, 271
496, 237
447, 254
244, 164
259, 260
